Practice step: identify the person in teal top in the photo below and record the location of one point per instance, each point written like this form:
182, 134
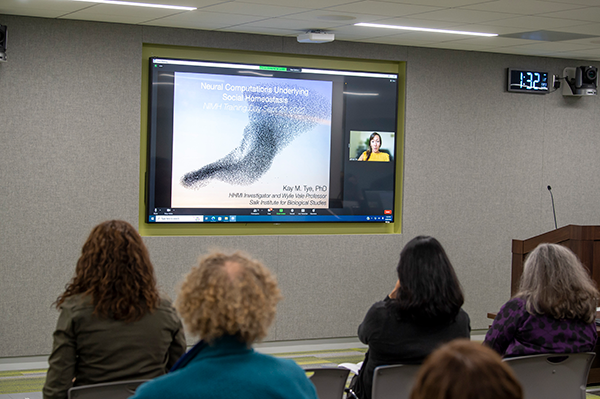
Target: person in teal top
229, 302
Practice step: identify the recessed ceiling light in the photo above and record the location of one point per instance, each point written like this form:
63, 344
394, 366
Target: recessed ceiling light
452, 32
132, 3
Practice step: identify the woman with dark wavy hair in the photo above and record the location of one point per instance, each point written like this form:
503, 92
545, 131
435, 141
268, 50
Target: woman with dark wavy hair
113, 324
422, 312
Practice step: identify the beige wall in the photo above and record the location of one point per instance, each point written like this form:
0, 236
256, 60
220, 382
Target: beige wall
477, 162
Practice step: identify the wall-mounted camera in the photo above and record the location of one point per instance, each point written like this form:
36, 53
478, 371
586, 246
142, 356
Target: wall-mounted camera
581, 81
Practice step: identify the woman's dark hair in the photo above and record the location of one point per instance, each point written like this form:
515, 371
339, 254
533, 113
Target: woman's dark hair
370, 150
429, 289
115, 270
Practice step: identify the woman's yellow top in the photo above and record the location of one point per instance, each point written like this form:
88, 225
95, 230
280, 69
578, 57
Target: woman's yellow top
377, 156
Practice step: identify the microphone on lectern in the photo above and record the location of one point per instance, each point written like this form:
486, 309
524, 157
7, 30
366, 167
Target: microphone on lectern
553, 209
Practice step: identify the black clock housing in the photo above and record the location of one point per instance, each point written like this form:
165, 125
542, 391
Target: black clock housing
528, 81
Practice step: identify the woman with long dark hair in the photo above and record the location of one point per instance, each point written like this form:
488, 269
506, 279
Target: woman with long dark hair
422, 312
113, 325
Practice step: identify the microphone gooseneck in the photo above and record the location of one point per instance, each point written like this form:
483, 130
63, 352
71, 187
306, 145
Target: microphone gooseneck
553, 209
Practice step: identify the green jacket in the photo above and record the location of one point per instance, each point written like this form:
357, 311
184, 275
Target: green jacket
93, 350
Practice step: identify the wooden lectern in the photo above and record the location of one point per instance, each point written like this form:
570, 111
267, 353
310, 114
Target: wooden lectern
584, 241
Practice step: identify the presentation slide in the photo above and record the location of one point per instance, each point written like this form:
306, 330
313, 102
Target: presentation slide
250, 142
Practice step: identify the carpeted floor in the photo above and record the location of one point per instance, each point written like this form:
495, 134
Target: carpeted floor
29, 383
12, 382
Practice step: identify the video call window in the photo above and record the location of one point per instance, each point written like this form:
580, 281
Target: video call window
372, 146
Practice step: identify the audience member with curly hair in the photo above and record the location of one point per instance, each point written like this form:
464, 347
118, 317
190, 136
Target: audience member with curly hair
113, 324
463, 369
553, 311
229, 302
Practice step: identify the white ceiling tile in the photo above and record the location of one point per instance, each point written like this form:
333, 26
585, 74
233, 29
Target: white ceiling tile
519, 50
403, 40
413, 22
500, 30
260, 30
324, 15
573, 2
38, 12
40, 8
264, 10
315, 4
459, 45
529, 7
198, 19
552, 46
381, 8
592, 55
589, 14
529, 23
589, 43
115, 13
464, 16
287, 18
188, 3
584, 29
491, 42
285, 23
184, 24
118, 19
349, 35
439, 3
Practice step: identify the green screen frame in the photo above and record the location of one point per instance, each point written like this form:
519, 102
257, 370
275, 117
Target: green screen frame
239, 229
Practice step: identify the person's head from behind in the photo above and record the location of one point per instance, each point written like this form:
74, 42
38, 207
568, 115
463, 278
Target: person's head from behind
374, 142
554, 282
115, 270
429, 288
463, 369
228, 295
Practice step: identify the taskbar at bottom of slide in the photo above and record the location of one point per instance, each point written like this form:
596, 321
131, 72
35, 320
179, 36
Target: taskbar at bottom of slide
267, 218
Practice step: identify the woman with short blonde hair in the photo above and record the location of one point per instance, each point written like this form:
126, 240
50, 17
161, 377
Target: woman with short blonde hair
229, 302
553, 311
228, 295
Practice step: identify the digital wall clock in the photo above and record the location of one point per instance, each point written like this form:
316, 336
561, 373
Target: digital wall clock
528, 81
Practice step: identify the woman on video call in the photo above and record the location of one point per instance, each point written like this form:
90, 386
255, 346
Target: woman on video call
373, 154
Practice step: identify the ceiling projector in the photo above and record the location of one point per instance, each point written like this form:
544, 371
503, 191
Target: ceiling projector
316, 36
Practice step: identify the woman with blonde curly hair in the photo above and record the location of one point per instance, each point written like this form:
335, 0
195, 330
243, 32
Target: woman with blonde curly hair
553, 311
463, 369
229, 302
113, 325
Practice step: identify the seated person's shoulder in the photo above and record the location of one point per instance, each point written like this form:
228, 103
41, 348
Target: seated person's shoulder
77, 303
